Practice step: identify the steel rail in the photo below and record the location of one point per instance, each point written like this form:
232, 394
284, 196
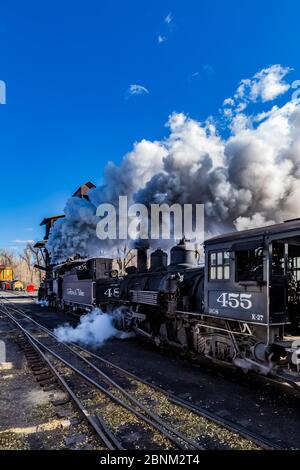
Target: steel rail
156, 422
111, 442
231, 426
259, 440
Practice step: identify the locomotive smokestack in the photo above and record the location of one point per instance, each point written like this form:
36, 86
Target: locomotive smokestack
142, 260
141, 248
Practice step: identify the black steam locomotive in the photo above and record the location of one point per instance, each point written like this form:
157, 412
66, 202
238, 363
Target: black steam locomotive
242, 307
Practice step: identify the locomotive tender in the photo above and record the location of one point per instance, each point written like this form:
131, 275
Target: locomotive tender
242, 307
82, 284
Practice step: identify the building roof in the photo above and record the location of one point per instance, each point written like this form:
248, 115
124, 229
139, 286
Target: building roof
287, 226
48, 220
40, 244
83, 190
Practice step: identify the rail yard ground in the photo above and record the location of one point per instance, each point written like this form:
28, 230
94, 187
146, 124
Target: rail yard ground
35, 417
28, 416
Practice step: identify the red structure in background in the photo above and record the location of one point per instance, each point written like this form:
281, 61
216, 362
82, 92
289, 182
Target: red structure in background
31, 288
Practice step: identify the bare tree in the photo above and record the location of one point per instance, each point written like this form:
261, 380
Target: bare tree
23, 263
125, 257
27, 257
36, 258
30, 257
7, 257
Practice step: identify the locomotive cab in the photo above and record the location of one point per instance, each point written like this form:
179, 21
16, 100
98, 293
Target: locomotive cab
252, 283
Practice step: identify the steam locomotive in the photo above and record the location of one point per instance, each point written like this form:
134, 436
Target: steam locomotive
242, 307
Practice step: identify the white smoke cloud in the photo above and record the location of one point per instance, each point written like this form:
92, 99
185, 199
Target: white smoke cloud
94, 329
256, 220
137, 90
250, 178
161, 39
264, 86
77, 234
169, 18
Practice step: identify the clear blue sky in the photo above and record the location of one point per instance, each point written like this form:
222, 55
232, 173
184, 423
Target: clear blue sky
67, 66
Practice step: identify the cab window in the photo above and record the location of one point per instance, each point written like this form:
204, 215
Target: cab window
249, 265
219, 265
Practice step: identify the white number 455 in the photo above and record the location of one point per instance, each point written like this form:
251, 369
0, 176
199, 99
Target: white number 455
229, 299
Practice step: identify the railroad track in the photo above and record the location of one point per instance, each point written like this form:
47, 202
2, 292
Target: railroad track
259, 440
174, 418
282, 380
19, 294
74, 372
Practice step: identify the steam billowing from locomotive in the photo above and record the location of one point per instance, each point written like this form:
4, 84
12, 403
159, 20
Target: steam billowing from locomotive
94, 329
247, 179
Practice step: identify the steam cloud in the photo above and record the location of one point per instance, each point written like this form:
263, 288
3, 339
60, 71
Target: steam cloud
247, 179
94, 329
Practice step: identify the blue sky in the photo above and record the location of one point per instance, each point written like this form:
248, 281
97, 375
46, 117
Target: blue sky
68, 67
